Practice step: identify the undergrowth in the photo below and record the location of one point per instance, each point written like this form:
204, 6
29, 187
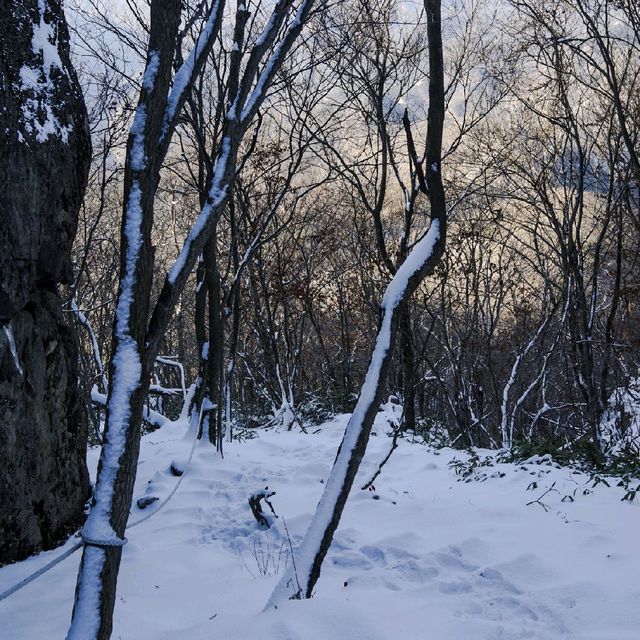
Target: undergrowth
616, 466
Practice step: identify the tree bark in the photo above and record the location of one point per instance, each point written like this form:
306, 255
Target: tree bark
215, 361
130, 365
408, 371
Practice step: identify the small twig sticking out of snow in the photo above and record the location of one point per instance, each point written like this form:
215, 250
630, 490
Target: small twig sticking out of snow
539, 500
298, 594
397, 430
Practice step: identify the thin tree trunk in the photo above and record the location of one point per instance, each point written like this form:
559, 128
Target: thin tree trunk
137, 340
216, 341
408, 370
304, 572
129, 368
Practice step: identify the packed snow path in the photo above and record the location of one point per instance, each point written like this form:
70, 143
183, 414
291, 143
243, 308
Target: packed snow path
422, 556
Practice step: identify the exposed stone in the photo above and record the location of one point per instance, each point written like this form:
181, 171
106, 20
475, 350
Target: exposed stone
44, 160
176, 468
145, 501
43, 432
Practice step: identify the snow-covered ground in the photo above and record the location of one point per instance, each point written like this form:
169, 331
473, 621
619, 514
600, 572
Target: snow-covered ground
422, 556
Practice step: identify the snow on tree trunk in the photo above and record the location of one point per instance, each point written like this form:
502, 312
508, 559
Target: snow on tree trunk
303, 573
136, 338
299, 583
103, 531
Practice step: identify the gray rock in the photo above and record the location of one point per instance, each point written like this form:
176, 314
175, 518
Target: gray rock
176, 468
145, 501
44, 160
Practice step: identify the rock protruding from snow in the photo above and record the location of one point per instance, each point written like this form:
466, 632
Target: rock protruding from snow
145, 501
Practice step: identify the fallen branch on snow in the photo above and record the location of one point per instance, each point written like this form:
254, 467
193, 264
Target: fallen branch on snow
255, 500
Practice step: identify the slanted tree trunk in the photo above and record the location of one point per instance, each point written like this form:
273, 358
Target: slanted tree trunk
45, 153
299, 581
129, 369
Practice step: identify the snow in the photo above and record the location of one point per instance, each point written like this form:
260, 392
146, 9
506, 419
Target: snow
620, 426
127, 372
138, 156
86, 622
424, 555
8, 332
38, 82
148, 414
274, 60
413, 263
267, 32
216, 196
127, 376
151, 72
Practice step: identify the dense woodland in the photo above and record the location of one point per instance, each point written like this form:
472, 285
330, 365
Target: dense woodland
257, 176
530, 322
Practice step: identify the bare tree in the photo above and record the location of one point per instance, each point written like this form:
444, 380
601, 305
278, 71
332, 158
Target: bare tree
299, 582
136, 338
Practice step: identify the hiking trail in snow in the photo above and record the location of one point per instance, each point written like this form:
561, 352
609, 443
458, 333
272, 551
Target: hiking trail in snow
423, 555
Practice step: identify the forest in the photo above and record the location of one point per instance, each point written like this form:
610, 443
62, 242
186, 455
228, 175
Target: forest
302, 262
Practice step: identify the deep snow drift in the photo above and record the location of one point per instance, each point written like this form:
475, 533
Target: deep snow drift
424, 555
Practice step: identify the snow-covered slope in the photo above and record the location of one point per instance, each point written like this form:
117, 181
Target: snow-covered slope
423, 556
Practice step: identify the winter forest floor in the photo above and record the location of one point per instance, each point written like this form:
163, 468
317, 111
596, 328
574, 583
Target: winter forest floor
425, 555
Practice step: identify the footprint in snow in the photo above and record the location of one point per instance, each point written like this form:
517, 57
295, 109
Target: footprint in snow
455, 587
474, 593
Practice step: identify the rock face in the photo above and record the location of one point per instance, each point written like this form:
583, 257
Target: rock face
43, 475
44, 161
